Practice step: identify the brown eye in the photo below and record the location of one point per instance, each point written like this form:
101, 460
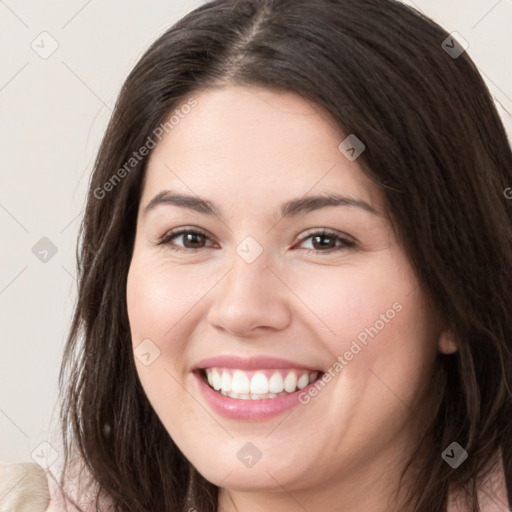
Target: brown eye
190, 239
327, 241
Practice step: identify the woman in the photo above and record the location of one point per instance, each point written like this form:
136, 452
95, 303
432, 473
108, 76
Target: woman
295, 272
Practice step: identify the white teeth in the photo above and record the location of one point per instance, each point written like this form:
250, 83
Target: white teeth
290, 382
259, 384
303, 381
239, 384
216, 379
257, 397
226, 382
275, 384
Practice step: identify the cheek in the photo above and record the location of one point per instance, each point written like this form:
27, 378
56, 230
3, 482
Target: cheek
159, 297
164, 303
158, 303
155, 303
353, 301
382, 339
376, 318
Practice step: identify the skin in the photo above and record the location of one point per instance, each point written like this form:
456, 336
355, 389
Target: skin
247, 150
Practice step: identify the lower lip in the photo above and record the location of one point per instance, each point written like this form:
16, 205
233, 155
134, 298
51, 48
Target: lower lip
240, 409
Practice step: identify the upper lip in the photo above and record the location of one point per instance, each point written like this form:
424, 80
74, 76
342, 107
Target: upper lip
251, 363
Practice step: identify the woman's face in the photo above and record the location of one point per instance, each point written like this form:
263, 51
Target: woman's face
260, 282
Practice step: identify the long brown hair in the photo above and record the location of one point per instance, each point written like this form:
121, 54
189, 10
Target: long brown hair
434, 144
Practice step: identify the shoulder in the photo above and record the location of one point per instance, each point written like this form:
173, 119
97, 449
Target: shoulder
23, 487
492, 492
27, 487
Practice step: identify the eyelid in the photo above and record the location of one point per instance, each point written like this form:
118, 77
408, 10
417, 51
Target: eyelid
347, 240
166, 237
327, 232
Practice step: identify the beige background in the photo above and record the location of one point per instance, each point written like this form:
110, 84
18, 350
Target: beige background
53, 113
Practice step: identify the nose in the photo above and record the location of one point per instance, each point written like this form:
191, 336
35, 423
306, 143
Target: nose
250, 299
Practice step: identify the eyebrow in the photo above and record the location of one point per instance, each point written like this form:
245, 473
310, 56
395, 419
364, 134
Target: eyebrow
289, 209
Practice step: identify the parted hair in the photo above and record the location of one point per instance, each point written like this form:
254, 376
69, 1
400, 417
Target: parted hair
434, 145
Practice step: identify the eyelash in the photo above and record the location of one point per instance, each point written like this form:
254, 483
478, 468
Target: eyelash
345, 242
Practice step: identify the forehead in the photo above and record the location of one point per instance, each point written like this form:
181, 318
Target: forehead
258, 144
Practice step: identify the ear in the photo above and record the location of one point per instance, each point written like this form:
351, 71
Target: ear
447, 343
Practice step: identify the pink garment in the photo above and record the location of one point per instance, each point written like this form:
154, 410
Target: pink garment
58, 499
63, 499
492, 496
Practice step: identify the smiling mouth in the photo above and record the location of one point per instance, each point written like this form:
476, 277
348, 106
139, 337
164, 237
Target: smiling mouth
257, 384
